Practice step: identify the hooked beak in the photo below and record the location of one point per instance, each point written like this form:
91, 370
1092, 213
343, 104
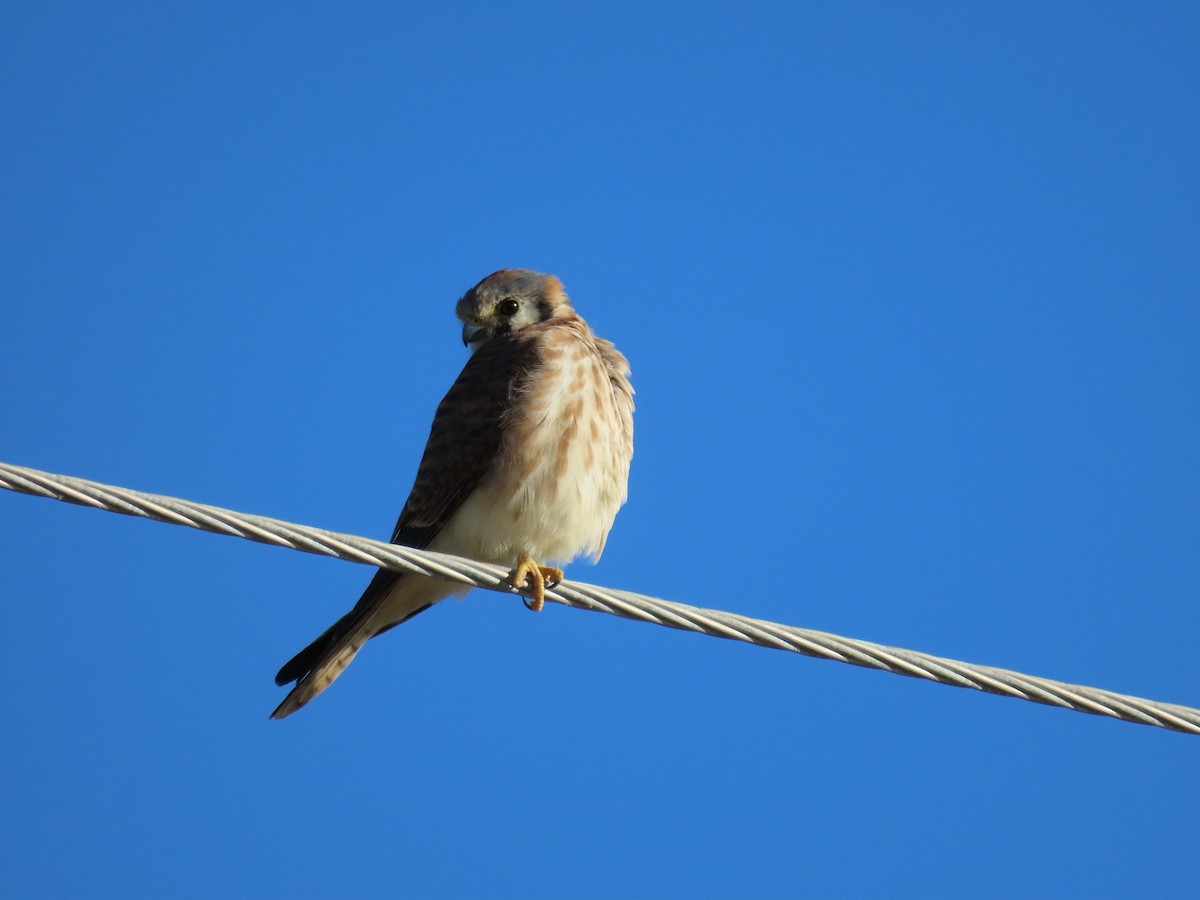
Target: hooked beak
472, 334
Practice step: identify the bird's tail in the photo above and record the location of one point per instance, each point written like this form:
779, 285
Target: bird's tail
390, 599
316, 666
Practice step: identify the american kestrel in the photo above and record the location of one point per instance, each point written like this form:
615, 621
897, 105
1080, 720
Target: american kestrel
527, 463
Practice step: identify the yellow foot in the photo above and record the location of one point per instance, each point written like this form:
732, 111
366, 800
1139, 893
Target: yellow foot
537, 577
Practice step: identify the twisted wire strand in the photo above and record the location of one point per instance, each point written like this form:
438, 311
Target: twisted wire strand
628, 605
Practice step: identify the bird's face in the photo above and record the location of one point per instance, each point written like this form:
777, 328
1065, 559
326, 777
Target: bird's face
507, 301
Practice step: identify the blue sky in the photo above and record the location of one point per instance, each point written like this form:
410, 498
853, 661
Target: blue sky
910, 294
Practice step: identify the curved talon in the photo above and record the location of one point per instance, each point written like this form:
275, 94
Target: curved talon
538, 577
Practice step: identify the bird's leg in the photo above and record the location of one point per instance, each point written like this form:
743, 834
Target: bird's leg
538, 577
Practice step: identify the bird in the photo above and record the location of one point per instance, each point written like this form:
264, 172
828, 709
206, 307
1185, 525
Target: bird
527, 464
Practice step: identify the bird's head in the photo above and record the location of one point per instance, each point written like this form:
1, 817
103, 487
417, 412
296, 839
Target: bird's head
507, 301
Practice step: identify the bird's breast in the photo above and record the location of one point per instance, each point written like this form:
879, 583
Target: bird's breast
563, 467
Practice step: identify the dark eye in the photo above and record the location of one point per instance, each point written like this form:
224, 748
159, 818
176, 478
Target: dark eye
508, 307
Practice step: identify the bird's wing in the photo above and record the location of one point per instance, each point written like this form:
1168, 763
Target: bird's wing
466, 436
464, 441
